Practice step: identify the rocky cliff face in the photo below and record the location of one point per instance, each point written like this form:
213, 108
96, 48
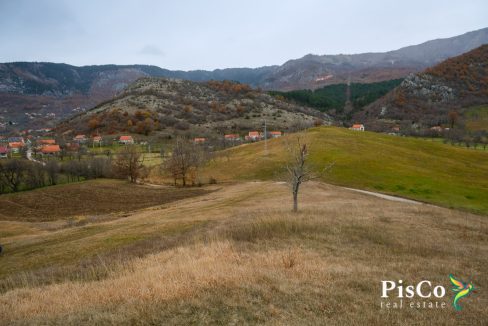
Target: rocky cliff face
429, 87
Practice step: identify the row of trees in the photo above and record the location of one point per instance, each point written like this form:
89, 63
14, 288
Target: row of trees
19, 174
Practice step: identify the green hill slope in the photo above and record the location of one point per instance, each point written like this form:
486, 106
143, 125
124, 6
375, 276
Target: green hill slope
414, 168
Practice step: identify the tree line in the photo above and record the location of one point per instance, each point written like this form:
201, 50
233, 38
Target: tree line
20, 174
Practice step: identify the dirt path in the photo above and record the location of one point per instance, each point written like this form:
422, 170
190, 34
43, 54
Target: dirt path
387, 197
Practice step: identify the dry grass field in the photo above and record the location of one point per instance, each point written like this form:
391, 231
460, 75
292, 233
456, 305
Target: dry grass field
237, 255
92, 198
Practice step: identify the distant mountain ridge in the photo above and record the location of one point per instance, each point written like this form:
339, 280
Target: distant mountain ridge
313, 71
39, 93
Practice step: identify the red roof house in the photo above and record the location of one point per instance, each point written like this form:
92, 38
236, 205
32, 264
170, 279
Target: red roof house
253, 135
126, 140
357, 127
46, 141
232, 137
50, 149
3, 152
199, 140
15, 146
80, 138
275, 134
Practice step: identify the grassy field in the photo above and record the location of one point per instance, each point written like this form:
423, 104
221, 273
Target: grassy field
237, 255
423, 170
477, 118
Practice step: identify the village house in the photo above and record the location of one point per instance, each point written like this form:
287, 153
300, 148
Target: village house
50, 149
199, 140
46, 141
436, 128
275, 134
15, 147
97, 140
232, 137
80, 139
3, 152
253, 136
126, 140
357, 127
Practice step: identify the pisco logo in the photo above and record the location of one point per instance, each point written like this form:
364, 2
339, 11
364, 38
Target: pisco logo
422, 295
461, 289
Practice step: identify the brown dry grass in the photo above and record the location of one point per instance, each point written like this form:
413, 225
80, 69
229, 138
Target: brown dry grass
96, 197
251, 261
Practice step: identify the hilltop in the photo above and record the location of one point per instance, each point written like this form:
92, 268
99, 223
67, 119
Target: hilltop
426, 98
153, 106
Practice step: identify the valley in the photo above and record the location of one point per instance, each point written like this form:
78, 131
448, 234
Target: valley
329, 189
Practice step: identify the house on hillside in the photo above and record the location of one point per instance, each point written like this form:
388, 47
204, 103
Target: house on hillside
97, 140
232, 137
46, 141
50, 149
80, 139
199, 140
253, 136
15, 147
126, 140
275, 134
3, 152
357, 127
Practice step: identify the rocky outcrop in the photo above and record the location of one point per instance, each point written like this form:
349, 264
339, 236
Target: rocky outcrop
428, 87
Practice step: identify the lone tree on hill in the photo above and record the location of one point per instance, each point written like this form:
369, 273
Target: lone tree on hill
298, 169
129, 164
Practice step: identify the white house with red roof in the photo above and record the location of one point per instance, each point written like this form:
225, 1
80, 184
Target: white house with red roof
126, 140
357, 127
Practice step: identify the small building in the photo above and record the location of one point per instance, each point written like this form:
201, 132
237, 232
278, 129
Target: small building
80, 139
253, 136
50, 149
126, 140
232, 137
357, 127
275, 134
436, 128
4, 152
97, 140
15, 147
46, 141
199, 140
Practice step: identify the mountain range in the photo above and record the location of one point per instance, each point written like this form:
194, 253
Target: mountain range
38, 93
428, 99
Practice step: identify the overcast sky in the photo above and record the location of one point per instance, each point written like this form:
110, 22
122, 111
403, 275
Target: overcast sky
193, 34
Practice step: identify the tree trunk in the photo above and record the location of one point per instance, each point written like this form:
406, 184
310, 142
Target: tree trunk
295, 201
295, 196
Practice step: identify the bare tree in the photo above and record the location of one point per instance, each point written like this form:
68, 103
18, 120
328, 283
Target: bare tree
13, 173
35, 175
129, 163
184, 162
52, 170
298, 168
